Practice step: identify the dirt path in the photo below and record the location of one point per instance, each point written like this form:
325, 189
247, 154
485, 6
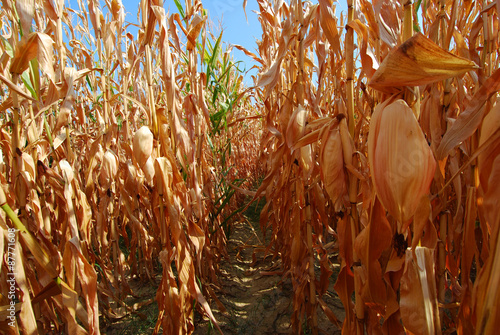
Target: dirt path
257, 301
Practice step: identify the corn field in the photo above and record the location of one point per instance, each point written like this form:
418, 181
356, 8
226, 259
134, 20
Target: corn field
129, 157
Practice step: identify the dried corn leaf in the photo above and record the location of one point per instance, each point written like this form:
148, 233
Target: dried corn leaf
195, 29
486, 289
37, 45
489, 126
70, 302
488, 164
368, 59
87, 278
419, 306
25, 10
419, 61
328, 23
470, 119
27, 315
369, 246
14, 88
422, 221
389, 14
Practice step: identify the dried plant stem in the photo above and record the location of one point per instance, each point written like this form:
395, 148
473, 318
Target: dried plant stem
413, 99
15, 127
359, 306
300, 100
353, 181
114, 240
349, 57
408, 20
300, 53
443, 224
486, 49
60, 47
151, 99
442, 23
312, 285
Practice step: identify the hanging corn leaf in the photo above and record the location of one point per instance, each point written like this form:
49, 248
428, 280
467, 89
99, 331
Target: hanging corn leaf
418, 61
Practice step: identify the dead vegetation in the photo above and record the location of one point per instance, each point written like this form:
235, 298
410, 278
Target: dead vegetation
128, 158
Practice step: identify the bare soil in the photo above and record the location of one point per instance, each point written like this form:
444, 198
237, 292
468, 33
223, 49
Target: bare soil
255, 298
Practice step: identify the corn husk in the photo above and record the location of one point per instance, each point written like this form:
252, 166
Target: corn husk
109, 169
143, 145
149, 170
332, 164
401, 162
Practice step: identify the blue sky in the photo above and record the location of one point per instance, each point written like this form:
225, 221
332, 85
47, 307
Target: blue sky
230, 15
227, 14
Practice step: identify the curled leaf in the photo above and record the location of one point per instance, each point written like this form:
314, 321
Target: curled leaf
37, 45
194, 31
470, 119
419, 61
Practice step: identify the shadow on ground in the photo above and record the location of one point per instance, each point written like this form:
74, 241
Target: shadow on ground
256, 299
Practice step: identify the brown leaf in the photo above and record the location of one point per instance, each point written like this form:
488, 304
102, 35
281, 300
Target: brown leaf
25, 10
421, 221
248, 53
369, 246
27, 315
194, 31
36, 45
329, 313
389, 20
486, 293
489, 126
419, 306
87, 278
328, 23
344, 286
296, 126
419, 61
368, 59
270, 77
470, 119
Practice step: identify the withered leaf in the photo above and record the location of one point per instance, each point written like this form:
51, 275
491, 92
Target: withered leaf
419, 61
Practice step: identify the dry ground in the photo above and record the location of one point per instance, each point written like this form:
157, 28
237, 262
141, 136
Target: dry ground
256, 300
